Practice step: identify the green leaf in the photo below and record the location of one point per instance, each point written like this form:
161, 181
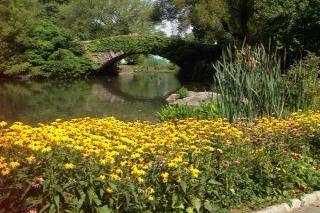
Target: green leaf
214, 182
174, 200
208, 206
196, 202
113, 186
81, 201
183, 186
101, 192
189, 210
103, 209
52, 209
93, 197
56, 199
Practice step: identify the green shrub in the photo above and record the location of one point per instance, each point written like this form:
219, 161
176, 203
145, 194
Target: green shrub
50, 50
303, 83
65, 64
18, 69
182, 92
205, 111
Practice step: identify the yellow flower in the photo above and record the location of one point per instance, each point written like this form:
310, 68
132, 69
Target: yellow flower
114, 176
109, 190
140, 180
3, 124
68, 166
150, 198
150, 190
220, 151
5, 171
31, 159
102, 177
194, 171
14, 164
137, 172
165, 176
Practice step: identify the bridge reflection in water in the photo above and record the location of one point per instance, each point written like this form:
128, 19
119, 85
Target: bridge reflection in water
128, 97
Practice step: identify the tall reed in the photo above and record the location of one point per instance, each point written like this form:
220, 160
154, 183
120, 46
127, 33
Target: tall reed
250, 83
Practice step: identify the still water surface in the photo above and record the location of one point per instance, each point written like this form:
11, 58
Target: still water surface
127, 97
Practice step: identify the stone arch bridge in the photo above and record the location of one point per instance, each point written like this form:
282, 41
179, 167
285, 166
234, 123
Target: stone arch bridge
193, 58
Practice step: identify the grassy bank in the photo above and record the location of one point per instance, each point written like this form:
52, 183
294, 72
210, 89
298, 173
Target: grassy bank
106, 165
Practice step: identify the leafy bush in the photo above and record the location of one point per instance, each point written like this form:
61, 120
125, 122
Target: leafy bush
182, 92
64, 64
18, 69
205, 111
52, 51
104, 165
154, 63
303, 83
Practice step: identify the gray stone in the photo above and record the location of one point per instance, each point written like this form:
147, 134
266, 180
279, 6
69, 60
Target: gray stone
295, 204
317, 193
172, 98
193, 98
308, 199
281, 208
313, 208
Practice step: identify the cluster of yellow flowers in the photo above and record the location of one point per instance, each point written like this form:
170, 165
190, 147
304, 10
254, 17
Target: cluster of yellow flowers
128, 150
124, 148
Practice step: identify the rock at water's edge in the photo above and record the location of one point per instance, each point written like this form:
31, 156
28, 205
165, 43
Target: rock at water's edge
193, 98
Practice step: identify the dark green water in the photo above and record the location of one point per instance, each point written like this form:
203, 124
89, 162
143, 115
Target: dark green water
127, 97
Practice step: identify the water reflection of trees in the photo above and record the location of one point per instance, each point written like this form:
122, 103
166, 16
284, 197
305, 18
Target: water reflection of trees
33, 101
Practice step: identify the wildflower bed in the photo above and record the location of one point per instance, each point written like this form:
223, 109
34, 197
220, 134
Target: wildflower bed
107, 165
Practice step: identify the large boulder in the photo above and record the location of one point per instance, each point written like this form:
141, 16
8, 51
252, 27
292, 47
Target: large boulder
193, 99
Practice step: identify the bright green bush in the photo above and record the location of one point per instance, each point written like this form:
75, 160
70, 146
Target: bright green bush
154, 64
204, 111
64, 64
182, 92
50, 50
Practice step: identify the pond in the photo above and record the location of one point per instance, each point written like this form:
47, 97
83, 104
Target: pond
130, 96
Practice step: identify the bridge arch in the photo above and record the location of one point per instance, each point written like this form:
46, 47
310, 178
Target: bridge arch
190, 56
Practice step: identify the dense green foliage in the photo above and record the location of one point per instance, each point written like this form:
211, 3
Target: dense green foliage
290, 24
100, 18
37, 40
182, 92
39, 48
151, 63
303, 83
207, 110
251, 84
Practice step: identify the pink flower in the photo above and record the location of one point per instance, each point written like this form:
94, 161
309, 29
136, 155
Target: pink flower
38, 182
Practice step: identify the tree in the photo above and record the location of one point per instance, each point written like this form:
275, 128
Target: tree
16, 19
31, 45
293, 25
98, 18
219, 20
